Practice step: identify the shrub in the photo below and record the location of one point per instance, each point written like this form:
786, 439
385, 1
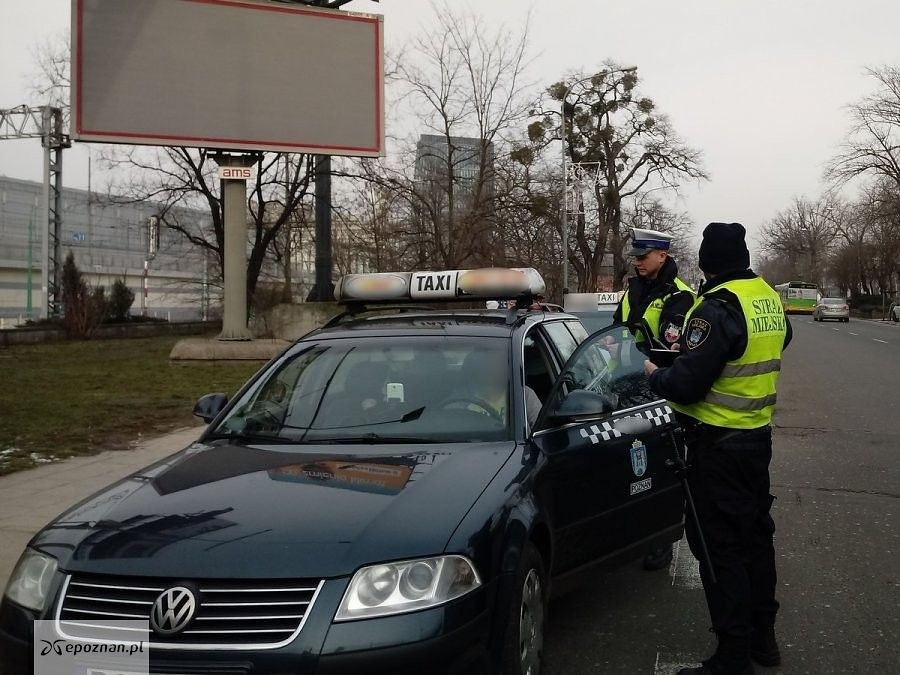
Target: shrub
120, 300
83, 308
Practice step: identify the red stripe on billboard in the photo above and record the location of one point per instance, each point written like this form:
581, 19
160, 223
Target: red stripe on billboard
164, 137
379, 118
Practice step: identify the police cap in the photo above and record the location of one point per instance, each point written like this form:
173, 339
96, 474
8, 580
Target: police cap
644, 241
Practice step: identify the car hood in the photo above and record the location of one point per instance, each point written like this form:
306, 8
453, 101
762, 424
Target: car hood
223, 510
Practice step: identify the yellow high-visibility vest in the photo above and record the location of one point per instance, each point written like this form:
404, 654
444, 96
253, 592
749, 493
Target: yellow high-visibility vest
654, 310
744, 395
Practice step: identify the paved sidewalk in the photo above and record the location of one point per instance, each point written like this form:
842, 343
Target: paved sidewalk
30, 499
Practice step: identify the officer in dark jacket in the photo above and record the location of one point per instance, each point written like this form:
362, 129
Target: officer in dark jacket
723, 388
656, 298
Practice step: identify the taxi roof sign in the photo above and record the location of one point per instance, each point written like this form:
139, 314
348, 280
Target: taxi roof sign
478, 284
591, 302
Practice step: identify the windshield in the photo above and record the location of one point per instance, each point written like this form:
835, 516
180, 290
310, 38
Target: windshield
406, 389
834, 301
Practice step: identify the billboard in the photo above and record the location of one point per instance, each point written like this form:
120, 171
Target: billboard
228, 74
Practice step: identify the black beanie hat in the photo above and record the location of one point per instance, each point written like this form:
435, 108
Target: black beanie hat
723, 248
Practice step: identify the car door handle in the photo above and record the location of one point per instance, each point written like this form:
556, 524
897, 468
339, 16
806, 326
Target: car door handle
633, 425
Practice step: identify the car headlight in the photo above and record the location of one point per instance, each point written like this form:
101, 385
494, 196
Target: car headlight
394, 588
30, 581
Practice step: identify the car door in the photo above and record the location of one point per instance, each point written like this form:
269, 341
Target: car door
607, 438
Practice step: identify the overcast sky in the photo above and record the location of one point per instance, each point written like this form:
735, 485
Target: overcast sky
760, 87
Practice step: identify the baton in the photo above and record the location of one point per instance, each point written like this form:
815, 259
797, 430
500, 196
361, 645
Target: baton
680, 468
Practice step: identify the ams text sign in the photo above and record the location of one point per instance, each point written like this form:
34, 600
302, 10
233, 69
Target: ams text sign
235, 173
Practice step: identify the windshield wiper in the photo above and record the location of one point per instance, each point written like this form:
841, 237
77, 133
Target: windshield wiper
250, 437
370, 437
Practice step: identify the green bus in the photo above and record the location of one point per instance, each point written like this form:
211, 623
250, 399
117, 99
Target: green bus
798, 297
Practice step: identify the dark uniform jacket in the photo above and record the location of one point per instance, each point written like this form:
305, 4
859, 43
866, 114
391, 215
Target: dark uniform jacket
643, 291
692, 374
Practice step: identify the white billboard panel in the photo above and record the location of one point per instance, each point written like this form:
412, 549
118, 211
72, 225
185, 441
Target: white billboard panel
228, 74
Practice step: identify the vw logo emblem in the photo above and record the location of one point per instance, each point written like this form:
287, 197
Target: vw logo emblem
173, 610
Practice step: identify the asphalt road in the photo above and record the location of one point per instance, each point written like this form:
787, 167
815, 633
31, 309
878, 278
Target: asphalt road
836, 476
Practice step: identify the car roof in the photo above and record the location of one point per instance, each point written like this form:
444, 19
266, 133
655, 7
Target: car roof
478, 322
603, 309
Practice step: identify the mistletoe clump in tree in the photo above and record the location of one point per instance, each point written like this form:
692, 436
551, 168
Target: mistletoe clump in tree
617, 137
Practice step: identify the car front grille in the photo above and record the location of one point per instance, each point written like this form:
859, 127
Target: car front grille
231, 614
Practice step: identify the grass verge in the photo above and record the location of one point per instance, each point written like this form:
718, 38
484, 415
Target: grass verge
74, 398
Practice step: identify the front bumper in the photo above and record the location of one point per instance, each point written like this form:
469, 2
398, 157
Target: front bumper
452, 640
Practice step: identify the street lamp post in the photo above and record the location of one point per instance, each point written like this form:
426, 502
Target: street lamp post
565, 182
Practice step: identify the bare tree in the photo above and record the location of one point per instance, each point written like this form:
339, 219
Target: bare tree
180, 181
776, 268
625, 146
650, 213
374, 228
847, 265
464, 84
854, 247
872, 146
528, 218
879, 206
51, 79
870, 257
804, 234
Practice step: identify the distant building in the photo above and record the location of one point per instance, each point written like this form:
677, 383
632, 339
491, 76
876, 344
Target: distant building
437, 157
108, 242
463, 167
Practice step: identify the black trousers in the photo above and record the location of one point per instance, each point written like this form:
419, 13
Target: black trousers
729, 479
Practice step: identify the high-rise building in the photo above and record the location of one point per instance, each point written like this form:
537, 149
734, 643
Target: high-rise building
454, 181
439, 157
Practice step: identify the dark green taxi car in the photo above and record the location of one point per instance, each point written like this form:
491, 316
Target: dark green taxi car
400, 491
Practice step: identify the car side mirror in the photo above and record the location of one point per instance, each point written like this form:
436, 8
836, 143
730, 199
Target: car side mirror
581, 404
207, 407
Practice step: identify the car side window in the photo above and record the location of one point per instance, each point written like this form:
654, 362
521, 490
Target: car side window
578, 331
561, 338
539, 370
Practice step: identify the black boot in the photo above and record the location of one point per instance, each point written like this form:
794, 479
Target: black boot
731, 658
659, 559
764, 648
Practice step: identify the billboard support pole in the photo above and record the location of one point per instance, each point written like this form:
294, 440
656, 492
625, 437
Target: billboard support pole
234, 315
323, 290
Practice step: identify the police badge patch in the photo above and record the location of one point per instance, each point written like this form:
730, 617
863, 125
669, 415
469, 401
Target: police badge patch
638, 458
672, 333
697, 331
